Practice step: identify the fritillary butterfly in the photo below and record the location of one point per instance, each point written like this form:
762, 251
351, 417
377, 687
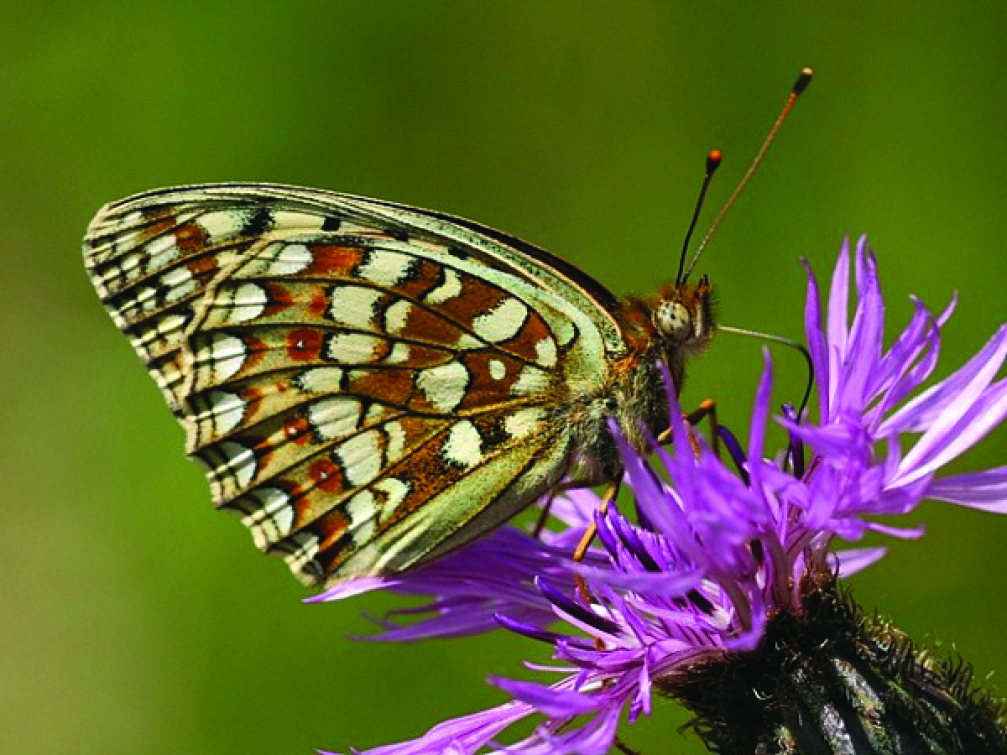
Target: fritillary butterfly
370, 385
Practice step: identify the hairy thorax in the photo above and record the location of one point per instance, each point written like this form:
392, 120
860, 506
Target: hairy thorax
664, 333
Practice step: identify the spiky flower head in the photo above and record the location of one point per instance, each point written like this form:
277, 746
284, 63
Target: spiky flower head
720, 591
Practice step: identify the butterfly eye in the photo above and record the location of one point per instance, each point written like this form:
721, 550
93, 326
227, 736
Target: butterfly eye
673, 320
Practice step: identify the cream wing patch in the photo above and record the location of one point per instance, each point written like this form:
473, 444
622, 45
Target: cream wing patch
321, 380
464, 445
242, 303
354, 348
224, 412
503, 322
449, 289
361, 510
391, 492
285, 259
334, 418
525, 422
354, 306
361, 457
386, 268
397, 315
223, 354
270, 515
222, 224
444, 386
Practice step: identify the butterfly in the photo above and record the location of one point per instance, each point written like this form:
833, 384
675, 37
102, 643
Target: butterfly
370, 385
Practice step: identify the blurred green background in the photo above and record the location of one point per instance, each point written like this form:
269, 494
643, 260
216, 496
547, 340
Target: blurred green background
137, 619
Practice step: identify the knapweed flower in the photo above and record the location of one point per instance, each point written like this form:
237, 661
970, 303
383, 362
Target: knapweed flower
720, 590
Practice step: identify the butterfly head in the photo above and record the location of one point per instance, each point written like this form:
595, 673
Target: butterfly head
683, 317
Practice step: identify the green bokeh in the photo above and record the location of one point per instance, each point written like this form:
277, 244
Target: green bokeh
134, 617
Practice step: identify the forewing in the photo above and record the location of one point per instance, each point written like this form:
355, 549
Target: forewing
368, 385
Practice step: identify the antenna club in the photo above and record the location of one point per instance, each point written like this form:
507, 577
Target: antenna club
802, 81
713, 159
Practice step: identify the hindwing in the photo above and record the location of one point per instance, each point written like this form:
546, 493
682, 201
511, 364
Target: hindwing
368, 385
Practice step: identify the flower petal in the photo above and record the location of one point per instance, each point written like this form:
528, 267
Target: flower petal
467, 733
839, 303
551, 700
979, 490
953, 432
855, 559
924, 410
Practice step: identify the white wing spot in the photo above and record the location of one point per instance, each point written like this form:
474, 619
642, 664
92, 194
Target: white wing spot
524, 422
223, 223
288, 220
353, 306
353, 348
444, 386
225, 412
395, 491
375, 413
545, 352
179, 283
160, 252
449, 289
145, 300
463, 446
361, 458
286, 259
385, 268
273, 517
123, 240
531, 381
239, 462
131, 262
498, 370
361, 510
502, 322
396, 441
226, 355
469, 341
128, 269
248, 301
565, 331
335, 417
397, 315
399, 354
321, 379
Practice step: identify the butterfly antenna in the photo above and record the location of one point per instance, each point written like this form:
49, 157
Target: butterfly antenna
784, 342
802, 83
713, 160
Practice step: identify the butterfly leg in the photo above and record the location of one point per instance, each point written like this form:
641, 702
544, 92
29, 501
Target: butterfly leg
706, 410
592, 528
587, 538
543, 516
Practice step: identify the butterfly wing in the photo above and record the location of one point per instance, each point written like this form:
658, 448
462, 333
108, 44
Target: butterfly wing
368, 385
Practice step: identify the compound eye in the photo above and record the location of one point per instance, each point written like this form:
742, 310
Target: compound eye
673, 320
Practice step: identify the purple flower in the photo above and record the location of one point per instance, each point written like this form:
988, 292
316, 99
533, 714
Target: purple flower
491, 577
858, 441
712, 553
